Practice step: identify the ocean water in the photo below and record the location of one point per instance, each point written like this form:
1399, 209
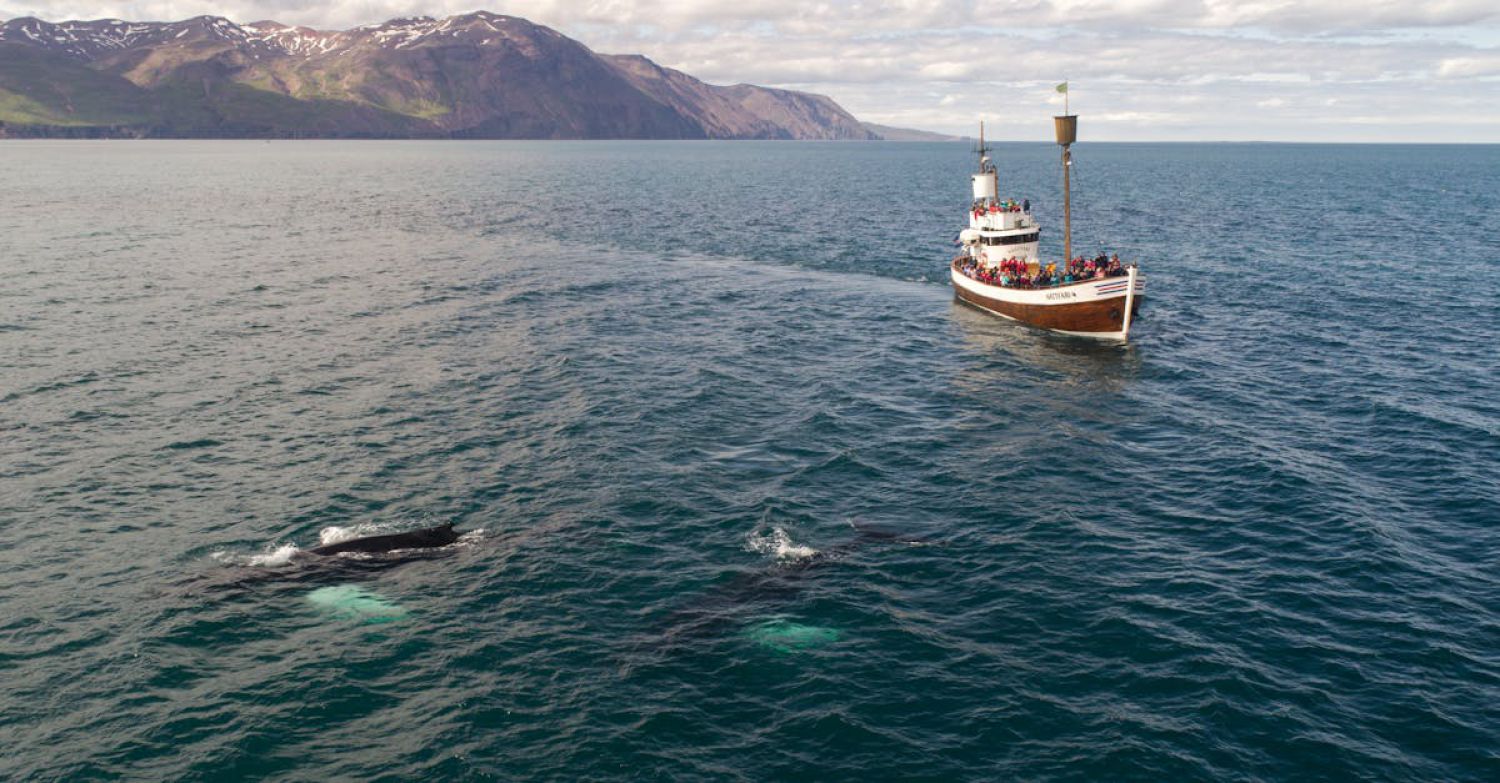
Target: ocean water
747, 495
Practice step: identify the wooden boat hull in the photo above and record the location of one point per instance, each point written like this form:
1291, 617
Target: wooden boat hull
1091, 308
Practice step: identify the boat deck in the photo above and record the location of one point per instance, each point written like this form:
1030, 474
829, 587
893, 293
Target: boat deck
957, 266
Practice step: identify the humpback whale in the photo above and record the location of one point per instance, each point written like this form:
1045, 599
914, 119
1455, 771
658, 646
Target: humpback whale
426, 538
318, 565
753, 591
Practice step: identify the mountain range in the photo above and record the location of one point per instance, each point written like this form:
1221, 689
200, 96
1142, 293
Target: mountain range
477, 75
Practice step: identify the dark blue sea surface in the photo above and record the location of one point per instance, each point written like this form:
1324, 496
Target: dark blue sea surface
748, 496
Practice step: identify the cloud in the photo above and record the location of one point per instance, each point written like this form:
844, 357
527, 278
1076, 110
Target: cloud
1479, 65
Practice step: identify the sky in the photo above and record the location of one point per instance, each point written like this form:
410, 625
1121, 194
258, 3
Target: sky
1138, 70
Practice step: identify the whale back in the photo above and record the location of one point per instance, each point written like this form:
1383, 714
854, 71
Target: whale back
426, 538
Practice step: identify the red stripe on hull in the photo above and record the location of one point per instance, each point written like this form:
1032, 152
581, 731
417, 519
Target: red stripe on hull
1100, 315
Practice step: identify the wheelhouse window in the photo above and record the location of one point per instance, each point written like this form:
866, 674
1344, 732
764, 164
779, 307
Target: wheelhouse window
1014, 239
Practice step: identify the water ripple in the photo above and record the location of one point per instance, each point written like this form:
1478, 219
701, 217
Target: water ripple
756, 503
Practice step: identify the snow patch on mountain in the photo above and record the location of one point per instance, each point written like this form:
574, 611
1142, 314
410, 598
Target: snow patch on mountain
90, 40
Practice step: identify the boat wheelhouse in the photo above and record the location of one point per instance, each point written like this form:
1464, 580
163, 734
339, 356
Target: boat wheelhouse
1000, 269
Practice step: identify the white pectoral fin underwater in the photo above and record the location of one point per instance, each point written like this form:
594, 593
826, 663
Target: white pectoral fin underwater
786, 636
352, 602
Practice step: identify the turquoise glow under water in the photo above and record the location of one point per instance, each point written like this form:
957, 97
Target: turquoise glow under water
351, 602
785, 636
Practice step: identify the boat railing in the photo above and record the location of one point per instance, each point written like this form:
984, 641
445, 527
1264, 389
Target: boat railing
984, 224
1059, 282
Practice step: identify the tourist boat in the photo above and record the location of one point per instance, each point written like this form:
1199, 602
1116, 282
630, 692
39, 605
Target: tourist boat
998, 268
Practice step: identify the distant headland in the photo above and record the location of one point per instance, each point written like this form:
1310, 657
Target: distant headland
478, 75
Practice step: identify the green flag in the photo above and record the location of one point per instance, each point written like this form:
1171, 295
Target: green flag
1063, 88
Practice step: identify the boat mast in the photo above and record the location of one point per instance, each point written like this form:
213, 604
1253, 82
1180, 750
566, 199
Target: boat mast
983, 150
985, 167
987, 181
1067, 133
